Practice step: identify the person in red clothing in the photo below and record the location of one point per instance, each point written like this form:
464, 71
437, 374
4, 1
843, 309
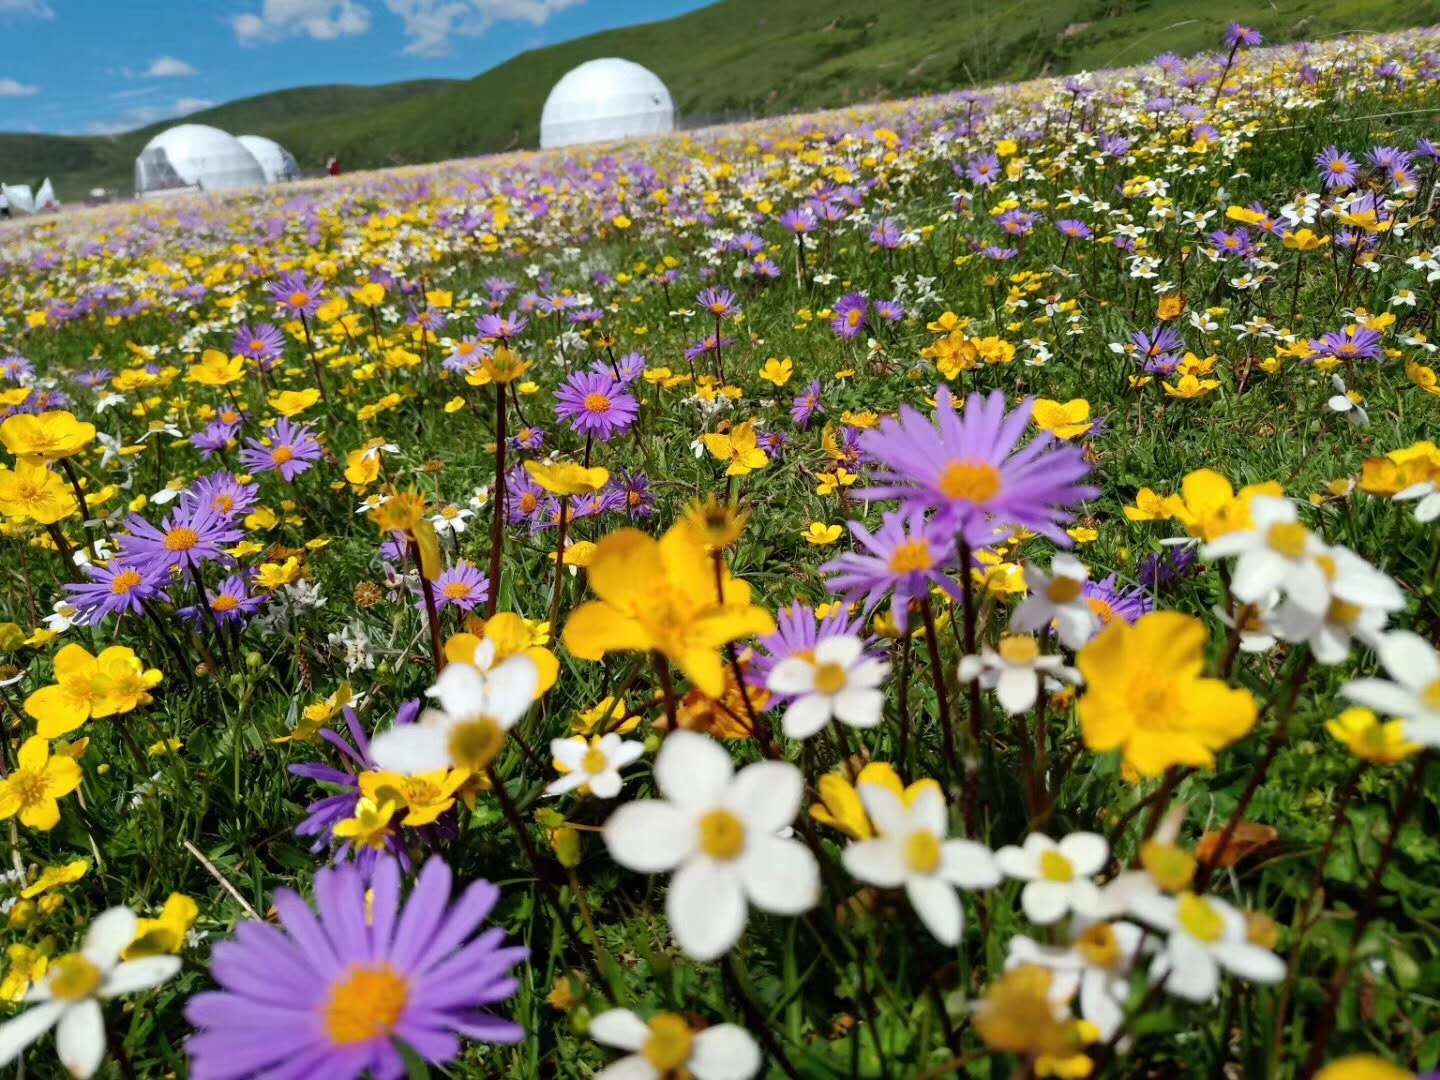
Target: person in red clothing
333, 167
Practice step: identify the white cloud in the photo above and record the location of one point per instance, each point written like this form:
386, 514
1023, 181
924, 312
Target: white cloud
138, 116
323, 20
168, 67
12, 88
39, 8
141, 91
429, 24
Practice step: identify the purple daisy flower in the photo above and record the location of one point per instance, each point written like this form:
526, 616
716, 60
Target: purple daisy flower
1338, 169
1242, 37
187, 538
1074, 230
289, 449
530, 439
595, 404
504, 328
1159, 349
1232, 245
15, 368
970, 466
806, 406
635, 487
720, 303
889, 311
886, 236
523, 497
983, 171
1356, 343
230, 603
215, 439
117, 589
224, 495
852, 315
1109, 601
261, 342
330, 996
462, 586
708, 345
905, 559
296, 295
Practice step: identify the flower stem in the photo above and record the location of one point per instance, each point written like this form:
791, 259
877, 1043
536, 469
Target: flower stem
932, 645
497, 521
432, 616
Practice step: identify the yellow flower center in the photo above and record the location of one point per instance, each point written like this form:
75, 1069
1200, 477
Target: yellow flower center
75, 978
912, 557
1019, 649
922, 852
1153, 695
300, 300
282, 455
1342, 613
595, 762
1102, 608
1288, 539
223, 503
457, 590
367, 1005
1199, 919
224, 603
476, 743
182, 539
1431, 696
597, 404
1064, 590
852, 320
669, 1044
1099, 946
123, 583
1056, 867
1172, 867
830, 678
722, 835
970, 481
31, 787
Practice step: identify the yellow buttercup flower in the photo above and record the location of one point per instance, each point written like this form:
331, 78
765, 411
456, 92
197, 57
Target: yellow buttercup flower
1188, 386
164, 936
821, 535
27, 967
271, 576
511, 635
55, 877
1370, 740
1145, 695
48, 436
1209, 507
1363, 1067
568, 478
216, 369
739, 448
87, 687
31, 492
425, 796
370, 828
294, 402
33, 789
1064, 420
318, 715
778, 372
607, 715
841, 808
371, 294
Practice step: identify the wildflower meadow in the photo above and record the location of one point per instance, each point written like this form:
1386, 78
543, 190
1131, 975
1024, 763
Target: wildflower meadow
939, 589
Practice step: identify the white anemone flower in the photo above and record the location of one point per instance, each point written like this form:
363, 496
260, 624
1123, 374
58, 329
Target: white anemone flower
1097, 966
717, 830
477, 708
668, 1046
1277, 553
1057, 597
594, 763
1414, 694
1348, 403
839, 683
910, 849
1014, 670
1428, 494
1059, 874
1205, 934
1362, 599
68, 999
1254, 620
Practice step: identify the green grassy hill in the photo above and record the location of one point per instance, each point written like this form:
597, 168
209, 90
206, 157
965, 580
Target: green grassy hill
736, 57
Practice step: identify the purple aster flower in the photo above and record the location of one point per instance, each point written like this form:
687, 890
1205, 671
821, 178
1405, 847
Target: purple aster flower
15, 368
1114, 146
466, 355
190, 536
530, 439
799, 221
969, 466
636, 489
595, 404
1109, 601
1166, 571
886, 236
463, 586
1016, 223
1232, 245
1074, 230
720, 303
1337, 168
797, 633
852, 313
1159, 349
261, 342
223, 494
995, 253
905, 559
1353, 343
289, 449
806, 406
295, 295
93, 380
631, 366
331, 995
504, 328
120, 588
523, 497
772, 442
215, 439
230, 604
983, 171
889, 311
1242, 37
708, 345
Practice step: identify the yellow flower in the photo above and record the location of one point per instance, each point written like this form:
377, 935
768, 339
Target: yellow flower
86, 687
370, 828
1082, 534
821, 535
1363, 1067
1170, 307
27, 967
362, 466
1400, 469
503, 366
1304, 240
1369, 740
31, 491
1209, 508
661, 596
1423, 377
778, 372
371, 294
830, 483
621, 222
164, 936
1189, 387
319, 714
740, 448
425, 796
568, 478
216, 369
608, 715
294, 402
55, 877
1019, 1016
1066, 420
272, 576
511, 635
401, 512
1145, 695
45, 436
840, 806
34, 788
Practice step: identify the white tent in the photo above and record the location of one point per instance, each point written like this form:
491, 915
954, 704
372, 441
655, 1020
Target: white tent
195, 157
20, 197
279, 164
604, 100
45, 198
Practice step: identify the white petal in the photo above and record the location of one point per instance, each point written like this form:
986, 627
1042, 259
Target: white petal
650, 835
968, 865
1158, 910
724, 1052
110, 932
842, 649
619, 1028
869, 673
706, 908
80, 1039
510, 689
411, 749
460, 690
692, 769
634, 1067
934, 900
1383, 696
928, 811
606, 785
886, 811
792, 676
17, 1034
1045, 902
1409, 659
135, 975
1256, 573
569, 782
766, 795
859, 707
1087, 852
570, 752
876, 862
806, 715
1016, 689
1015, 862
1194, 975
1250, 961
970, 667
1104, 1009
780, 876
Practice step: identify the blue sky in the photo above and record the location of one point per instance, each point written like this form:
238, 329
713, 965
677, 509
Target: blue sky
99, 66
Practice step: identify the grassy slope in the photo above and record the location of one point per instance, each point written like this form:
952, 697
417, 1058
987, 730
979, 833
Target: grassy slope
735, 57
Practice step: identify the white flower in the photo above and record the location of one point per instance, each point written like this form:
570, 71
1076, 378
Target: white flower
1097, 965
668, 1046
1348, 403
1362, 599
1414, 695
477, 707
1428, 492
72, 990
1205, 935
910, 849
1057, 597
1014, 670
1058, 874
1253, 621
62, 617
595, 763
1277, 553
839, 683
451, 518
716, 829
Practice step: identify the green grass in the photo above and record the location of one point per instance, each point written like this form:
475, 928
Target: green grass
736, 58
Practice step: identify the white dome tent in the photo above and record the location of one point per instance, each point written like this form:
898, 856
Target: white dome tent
277, 162
195, 157
605, 100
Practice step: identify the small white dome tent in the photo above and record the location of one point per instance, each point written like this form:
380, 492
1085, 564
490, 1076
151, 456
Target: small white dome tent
20, 198
45, 198
279, 164
604, 100
195, 157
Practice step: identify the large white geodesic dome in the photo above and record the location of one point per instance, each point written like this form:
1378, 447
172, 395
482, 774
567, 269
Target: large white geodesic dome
604, 100
277, 162
195, 157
